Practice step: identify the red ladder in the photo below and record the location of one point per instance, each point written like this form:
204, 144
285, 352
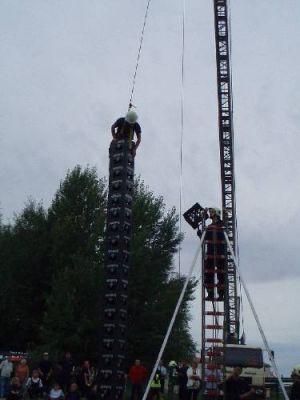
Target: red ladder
213, 314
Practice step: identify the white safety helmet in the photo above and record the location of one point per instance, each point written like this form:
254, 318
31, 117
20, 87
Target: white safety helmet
131, 117
296, 370
172, 363
216, 210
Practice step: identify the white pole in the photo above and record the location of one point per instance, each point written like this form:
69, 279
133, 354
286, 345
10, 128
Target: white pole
174, 317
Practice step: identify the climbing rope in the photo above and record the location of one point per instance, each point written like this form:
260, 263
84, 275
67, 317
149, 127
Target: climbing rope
163, 346
139, 54
181, 130
271, 357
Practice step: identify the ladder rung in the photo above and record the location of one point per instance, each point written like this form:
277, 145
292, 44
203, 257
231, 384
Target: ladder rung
215, 257
214, 313
214, 271
214, 326
214, 353
214, 299
214, 340
214, 366
215, 241
212, 378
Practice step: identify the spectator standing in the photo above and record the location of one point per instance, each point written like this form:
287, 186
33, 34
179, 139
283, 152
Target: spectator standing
155, 387
46, 370
68, 368
15, 391
194, 381
6, 369
295, 389
236, 387
34, 385
56, 392
86, 378
22, 372
172, 378
163, 373
137, 376
182, 380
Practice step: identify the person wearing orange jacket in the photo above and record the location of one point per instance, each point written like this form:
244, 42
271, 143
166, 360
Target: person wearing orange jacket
22, 372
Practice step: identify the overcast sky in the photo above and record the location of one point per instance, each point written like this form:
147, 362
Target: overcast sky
66, 71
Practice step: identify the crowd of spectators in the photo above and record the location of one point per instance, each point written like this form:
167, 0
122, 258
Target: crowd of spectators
47, 380
64, 380
176, 380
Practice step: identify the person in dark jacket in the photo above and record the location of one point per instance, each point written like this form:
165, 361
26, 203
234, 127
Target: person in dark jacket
236, 388
128, 128
68, 370
15, 390
45, 369
86, 378
182, 380
295, 389
73, 392
215, 254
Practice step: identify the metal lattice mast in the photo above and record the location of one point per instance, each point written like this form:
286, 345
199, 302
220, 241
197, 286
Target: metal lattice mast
222, 37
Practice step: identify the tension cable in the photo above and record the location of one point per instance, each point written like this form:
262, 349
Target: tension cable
270, 354
181, 131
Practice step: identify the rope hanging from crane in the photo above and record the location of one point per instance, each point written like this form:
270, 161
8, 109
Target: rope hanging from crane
139, 54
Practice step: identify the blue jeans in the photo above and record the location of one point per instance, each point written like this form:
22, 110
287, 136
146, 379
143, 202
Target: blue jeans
4, 384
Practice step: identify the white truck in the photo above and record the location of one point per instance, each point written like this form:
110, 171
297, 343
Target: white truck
251, 358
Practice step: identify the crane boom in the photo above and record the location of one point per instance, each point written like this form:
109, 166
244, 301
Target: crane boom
220, 314
226, 136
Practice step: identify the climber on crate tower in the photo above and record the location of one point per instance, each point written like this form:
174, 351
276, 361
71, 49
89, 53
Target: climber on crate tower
127, 128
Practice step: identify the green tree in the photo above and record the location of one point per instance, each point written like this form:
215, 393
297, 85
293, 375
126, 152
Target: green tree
52, 263
25, 275
154, 288
5, 273
76, 220
77, 217
71, 321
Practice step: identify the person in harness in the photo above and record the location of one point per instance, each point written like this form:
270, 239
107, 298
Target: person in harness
127, 128
215, 254
34, 385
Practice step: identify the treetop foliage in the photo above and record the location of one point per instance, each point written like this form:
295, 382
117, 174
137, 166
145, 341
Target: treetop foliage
51, 264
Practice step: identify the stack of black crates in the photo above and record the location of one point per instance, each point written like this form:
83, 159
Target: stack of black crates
117, 258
